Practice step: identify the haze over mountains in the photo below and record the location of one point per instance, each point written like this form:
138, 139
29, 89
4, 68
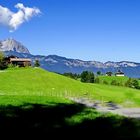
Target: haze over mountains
61, 64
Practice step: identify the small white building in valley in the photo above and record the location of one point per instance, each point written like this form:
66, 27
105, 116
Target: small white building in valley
119, 73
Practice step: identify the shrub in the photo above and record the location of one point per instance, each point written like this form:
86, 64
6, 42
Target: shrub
87, 77
3, 64
114, 82
11, 66
120, 84
128, 83
36, 64
97, 80
99, 73
135, 84
72, 75
132, 83
105, 82
109, 73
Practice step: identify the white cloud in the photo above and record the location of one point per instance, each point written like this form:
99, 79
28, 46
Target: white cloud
13, 20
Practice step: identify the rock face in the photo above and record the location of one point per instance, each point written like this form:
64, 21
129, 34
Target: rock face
60, 64
13, 45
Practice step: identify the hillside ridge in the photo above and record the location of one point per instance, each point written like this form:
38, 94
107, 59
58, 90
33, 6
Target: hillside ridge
61, 64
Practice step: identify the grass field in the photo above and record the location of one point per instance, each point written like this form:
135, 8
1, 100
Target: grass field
109, 79
34, 101
37, 85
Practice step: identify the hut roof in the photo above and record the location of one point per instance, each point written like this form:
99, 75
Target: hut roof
20, 59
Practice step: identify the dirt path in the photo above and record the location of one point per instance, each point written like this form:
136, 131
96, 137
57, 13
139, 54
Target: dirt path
109, 107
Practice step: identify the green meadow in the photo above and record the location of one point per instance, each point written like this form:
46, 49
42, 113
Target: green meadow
109, 79
37, 85
37, 102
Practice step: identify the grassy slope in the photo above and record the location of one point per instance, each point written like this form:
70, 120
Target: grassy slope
32, 100
37, 85
109, 79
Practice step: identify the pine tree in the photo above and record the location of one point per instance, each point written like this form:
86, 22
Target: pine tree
36, 64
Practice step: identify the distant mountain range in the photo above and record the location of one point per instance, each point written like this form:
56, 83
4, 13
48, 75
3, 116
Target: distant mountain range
60, 64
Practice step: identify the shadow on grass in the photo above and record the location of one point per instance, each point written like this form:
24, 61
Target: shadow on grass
50, 121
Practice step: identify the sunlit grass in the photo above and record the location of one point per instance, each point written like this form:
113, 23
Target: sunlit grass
38, 85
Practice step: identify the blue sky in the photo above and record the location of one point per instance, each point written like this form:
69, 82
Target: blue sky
102, 30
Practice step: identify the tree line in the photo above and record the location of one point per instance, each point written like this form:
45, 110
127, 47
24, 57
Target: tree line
85, 76
90, 77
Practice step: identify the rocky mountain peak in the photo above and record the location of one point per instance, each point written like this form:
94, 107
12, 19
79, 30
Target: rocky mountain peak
11, 44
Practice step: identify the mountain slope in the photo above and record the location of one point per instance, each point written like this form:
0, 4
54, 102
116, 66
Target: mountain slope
60, 64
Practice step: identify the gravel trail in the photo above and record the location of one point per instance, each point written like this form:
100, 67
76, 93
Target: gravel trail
109, 107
